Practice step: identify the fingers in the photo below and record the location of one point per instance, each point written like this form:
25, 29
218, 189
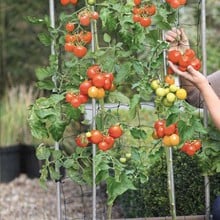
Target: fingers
175, 69
173, 35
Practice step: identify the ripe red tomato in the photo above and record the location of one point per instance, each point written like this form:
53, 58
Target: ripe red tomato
75, 102
104, 146
196, 63
86, 36
160, 131
93, 70
170, 129
84, 87
69, 47
98, 80
81, 140
151, 9
190, 150
145, 21
95, 15
109, 140
107, 84
190, 53
96, 136
182, 2
70, 27
115, 131
184, 61
175, 4
136, 17
158, 123
69, 96
83, 98
79, 51
137, 2
84, 20
174, 56
64, 2
197, 144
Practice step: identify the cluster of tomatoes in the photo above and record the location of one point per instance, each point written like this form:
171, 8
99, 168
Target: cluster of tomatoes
103, 141
169, 92
168, 134
95, 86
191, 147
67, 2
176, 3
76, 39
142, 13
183, 60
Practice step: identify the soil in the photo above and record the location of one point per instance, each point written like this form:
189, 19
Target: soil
24, 199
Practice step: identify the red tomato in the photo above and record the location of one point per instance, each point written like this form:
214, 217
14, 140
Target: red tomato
70, 27
197, 144
174, 56
69, 96
104, 146
160, 131
95, 15
93, 70
170, 129
81, 140
136, 17
107, 84
151, 9
196, 63
175, 4
96, 136
109, 140
84, 87
145, 21
115, 131
84, 20
83, 98
184, 61
98, 80
158, 123
79, 51
137, 2
69, 47
190, 150
75, 102
86, 36
64, 2
190, 53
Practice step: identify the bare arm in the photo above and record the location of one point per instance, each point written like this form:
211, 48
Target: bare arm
210, 97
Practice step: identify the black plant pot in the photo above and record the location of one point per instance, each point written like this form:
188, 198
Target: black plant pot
9, 163
216, 208
29, 163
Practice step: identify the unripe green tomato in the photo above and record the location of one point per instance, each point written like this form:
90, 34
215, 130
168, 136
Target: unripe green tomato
173, 88
155, 84
128, 155
167, 90
91, 2
171, 97
166, 102
122, 159
160, 92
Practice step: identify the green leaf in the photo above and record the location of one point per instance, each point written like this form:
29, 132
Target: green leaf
42, 152
134, 105
116, 188
54, 174
138, 133
56, 154
45, 39
43, 73
116, 96
107, 38
56, 129
68, 163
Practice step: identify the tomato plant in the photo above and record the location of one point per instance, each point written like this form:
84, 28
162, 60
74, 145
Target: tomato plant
120, 61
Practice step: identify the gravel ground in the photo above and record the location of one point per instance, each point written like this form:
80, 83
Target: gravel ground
24, 199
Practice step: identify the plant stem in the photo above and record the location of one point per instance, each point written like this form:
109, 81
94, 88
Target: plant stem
170, 182
109, 212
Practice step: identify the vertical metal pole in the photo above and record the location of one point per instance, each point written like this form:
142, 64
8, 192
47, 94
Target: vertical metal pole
58, 186
205, 112
169, 157
93, 31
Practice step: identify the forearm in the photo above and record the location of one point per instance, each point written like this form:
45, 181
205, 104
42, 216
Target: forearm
212, 102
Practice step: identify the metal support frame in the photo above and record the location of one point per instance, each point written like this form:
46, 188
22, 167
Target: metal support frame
205, 112
56, 145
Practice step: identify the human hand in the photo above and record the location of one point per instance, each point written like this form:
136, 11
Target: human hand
194, 76
177, 39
